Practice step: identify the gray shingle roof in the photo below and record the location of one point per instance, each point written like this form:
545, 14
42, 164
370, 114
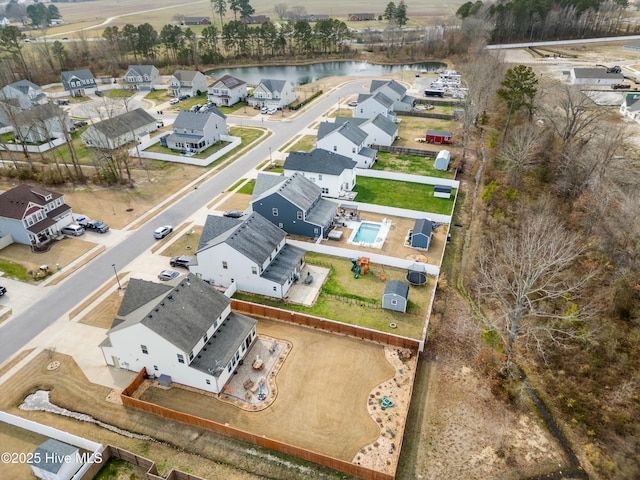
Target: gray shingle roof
180, 311
322, 212
384, 124
348, 130
379, 97
396, 287
319, 161
195, 120
256, 238
23, 86
283, 265
39, 113
83, 74
50, 455
264, 182
185, 75
393, 84
368, 152
230, 82
423, 226
296, 189
142, 69
127, 122
273, 85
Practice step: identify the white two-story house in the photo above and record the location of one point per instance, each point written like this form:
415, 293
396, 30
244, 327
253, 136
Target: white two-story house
380, 130
227, 91
346, 139
120, 130
335, 174
187, 82
181, 331
252, 253
33, 215
370, 105
396, 92
197, 131
27, 94
273, 94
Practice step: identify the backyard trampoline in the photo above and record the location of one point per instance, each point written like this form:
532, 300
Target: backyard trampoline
416, 278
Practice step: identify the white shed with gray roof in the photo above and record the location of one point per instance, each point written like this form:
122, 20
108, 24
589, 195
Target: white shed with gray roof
55, 460
395, 296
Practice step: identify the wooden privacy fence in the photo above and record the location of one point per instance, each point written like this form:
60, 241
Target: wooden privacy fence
439, 103
324, 324
406, 151
151, 474
260, 440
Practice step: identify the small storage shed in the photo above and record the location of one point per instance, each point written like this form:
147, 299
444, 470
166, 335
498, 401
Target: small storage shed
442, 160
438, 137
395, 296
421, 235
55, 460
442, 191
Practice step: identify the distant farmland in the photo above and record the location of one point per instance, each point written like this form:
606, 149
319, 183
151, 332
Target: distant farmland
160, 12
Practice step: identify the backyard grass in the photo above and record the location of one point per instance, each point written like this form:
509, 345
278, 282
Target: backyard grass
413, 164
412, 196
159, 96
158, 148
119, 93
231, 109
358, 301
305, 144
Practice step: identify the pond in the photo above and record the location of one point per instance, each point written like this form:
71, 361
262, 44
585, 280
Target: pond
303, 74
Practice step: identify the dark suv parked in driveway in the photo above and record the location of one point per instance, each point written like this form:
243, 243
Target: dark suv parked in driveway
181, 261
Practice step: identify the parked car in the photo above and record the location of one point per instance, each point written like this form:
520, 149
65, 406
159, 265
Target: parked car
353, 104
196, 107
162, 232
3, 290
264, 110
160, 123
181, 261
184, 96
173, 101
233, 214
73, 230
80, 123
89, 224
99, 93
166, 275
62, 101
271, 111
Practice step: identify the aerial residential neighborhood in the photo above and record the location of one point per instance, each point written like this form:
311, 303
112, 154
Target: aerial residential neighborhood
253, 240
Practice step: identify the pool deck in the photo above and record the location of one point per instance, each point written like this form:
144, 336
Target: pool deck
383, 230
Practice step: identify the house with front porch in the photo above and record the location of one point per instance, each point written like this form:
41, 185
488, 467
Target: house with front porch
346, 139
32, 215
393, 90
25, 92
370, 105
294, 204
181, 331
187, 82
227, 91
41, 123
335, 174
120, 130
78, 82
379, 129
252, 253
273, 94
630, 107
142, 77
197, 131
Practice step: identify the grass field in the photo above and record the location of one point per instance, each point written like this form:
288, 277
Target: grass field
413, 164
161, 12
412, 196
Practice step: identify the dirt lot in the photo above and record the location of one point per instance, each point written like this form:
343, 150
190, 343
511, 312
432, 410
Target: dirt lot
323, 388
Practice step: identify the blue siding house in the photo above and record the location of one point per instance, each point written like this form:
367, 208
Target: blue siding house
294, 204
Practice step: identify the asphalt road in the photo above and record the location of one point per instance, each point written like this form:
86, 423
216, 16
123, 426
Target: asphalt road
56, 301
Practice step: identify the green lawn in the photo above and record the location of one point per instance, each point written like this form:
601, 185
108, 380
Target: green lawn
231, 109
158, 148
248, 187
118, 93
14, 270
305, 144
392, 193
413, 164
159, 96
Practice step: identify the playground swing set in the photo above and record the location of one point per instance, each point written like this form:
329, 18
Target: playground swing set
362, 266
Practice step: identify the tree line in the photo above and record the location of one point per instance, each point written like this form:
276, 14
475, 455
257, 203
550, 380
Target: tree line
534, 20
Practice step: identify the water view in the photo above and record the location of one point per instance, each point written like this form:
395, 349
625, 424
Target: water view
303, 74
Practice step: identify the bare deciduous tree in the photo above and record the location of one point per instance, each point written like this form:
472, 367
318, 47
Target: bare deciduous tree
524, 272
520, 151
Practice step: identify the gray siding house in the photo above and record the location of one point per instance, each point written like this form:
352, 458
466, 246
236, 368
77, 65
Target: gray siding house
41, 123
76, 82
294, 204
27, 93
119, 130
421, 234
197, 131
395, 296
142, 77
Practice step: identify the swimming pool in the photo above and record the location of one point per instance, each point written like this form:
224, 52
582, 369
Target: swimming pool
367, 233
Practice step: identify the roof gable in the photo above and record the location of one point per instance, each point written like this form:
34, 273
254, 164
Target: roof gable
119, 125
423, 226
272, 85
348, 130
319, 161
196, 120
229, 82
296, 189
397, 287
15, 202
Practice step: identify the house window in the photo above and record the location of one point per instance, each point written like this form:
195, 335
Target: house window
144, 349
325, 191
205, 338
224, 265
274, 212
191, 356
394, 302
319, 176
315, 231
215, 324
335, 148
254, 270
353, 150
208, 381
299, 215
180, 358
229, 368
155, 367
275, 289
280, 225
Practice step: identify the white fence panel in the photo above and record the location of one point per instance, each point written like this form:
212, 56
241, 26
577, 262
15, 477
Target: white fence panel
406, 177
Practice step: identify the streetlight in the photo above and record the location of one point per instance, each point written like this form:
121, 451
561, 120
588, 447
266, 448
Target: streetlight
116, 274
